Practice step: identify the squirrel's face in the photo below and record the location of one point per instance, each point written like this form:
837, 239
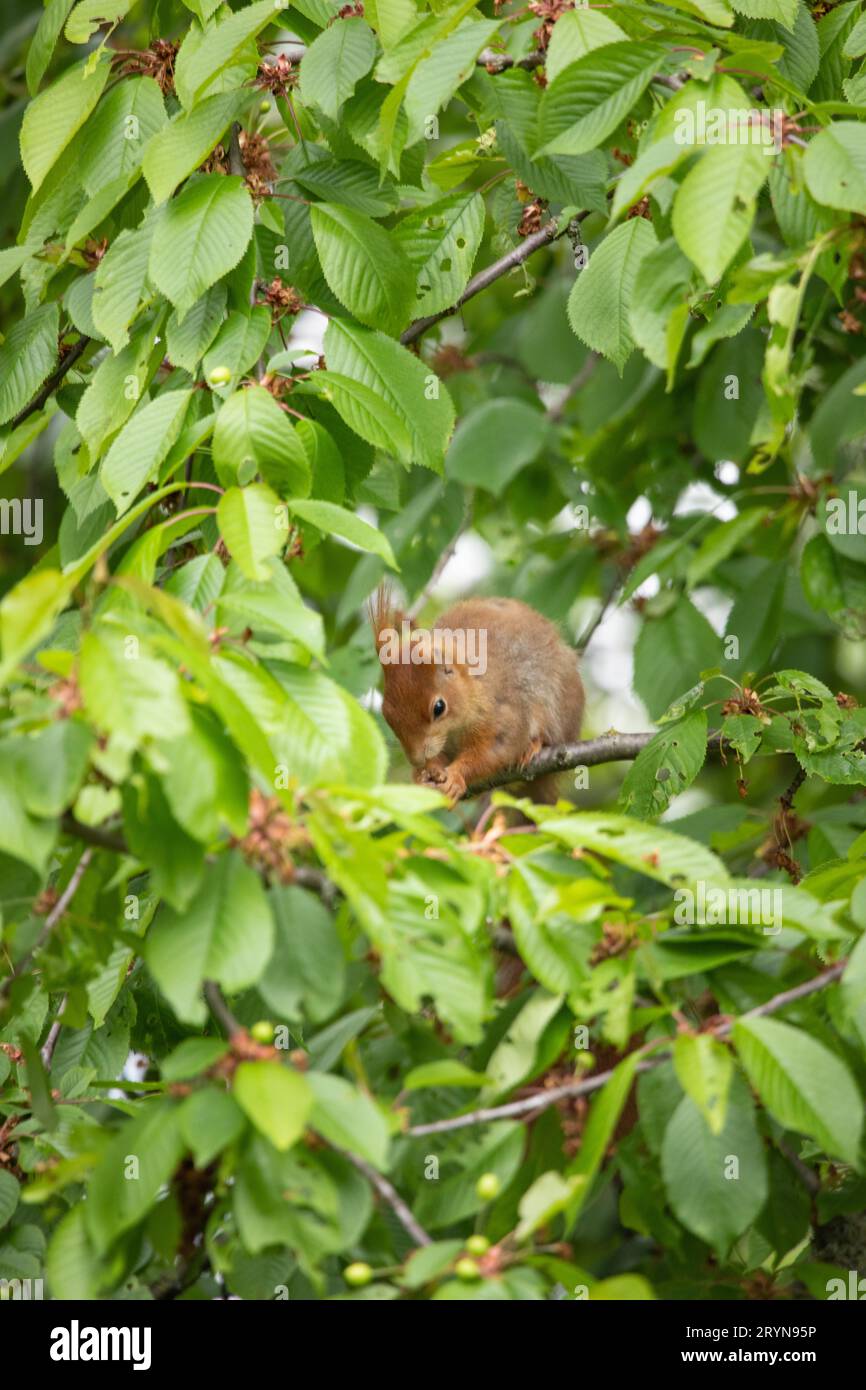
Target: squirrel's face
425, 706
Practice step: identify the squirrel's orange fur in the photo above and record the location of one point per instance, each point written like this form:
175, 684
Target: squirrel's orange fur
529, 697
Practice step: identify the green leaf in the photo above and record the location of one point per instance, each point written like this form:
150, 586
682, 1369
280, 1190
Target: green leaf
705, 1070
716, 1182
804, 1085
715, 205
653, 163
441, 241
364, 266
588, 99
659, 313
665, 767
721, 542
175, 858
366, 413
834, 166
116, 135
185, 143
72, 1266
187, 342
238, 345
89, 16
226, 935
141, 1157
306, 973
348, 1119
334, 64
670, 653
48, 31
220, 44
253, 435
448, 1072
128, 692
26, 358
576, 33
755, 620
9, 1189
210, 1121
27, 613
192, 1056
494, 441
53, 118
411, 392
783, 11
119, 283
251, 522
199, 237
336, 521
444, 67
600, 301
141, 446
50, 765
428, 1261
649, 849
276, 1098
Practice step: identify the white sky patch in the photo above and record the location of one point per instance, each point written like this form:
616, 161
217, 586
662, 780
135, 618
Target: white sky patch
700, 497
639, 514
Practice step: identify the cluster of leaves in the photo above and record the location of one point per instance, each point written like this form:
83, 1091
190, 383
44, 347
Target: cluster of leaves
193, 802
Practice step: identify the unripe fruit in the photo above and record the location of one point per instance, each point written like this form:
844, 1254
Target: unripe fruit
219, 376
358, 1274
478, 1245
263, 1032
487, 1187
264, 106
467, 1270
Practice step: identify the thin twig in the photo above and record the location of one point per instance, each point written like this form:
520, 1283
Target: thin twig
52, 383
92, 835
497, 62
486, 277
51, 921
53, 1034
600, 617
236, 159
443, 560
220, 1009
556, 412
535, 1104
391, 1196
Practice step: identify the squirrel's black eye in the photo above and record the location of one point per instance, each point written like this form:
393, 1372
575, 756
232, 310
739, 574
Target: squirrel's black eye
439, 708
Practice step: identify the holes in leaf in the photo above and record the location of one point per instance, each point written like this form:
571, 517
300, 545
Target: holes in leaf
446, 264
461, 242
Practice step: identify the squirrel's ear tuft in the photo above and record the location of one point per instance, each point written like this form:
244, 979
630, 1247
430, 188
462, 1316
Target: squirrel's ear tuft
384, 615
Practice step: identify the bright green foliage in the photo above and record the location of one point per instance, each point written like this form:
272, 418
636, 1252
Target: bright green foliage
291, 298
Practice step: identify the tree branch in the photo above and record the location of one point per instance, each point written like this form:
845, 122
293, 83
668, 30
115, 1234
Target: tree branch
391, 1196
497, 62
486, 277
51, 921
589, 752
236, 159
50, 386
92, 835
533, 1105
220, 1009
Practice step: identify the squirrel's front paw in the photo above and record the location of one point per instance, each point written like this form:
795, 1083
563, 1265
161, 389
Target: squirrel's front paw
453, 785
432, 774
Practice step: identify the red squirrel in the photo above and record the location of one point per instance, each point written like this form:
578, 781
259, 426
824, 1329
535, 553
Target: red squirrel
486, 689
